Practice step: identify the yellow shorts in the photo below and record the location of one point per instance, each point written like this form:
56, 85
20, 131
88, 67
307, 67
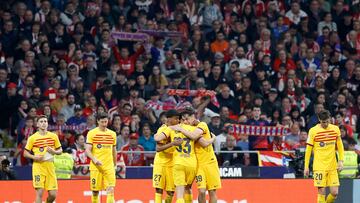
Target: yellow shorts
183, 175
44, 176
100, 180
163, 177
208, 176
326, 178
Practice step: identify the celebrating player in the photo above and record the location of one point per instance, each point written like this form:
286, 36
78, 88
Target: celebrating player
323, 139
208, 174
101, 149
163, 162
43, 145
185, 163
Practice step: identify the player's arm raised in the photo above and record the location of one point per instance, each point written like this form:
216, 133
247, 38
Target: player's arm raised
194, 135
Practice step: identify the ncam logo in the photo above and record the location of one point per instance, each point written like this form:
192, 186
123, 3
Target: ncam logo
230, 172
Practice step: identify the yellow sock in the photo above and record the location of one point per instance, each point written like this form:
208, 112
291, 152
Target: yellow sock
188, 198
168, 198
330, 198
158, 197
110, 198
95, 198
321, 198
181, 200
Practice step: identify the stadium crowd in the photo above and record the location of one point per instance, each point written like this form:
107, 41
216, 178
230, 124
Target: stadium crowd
290, 58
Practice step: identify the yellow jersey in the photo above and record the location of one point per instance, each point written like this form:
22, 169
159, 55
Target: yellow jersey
164, 157
204, 155
185, 153
324, 143
38, 145
103, 143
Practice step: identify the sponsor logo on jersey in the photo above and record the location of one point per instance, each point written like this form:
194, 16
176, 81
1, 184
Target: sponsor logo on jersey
41, 149
99, 146
322, 144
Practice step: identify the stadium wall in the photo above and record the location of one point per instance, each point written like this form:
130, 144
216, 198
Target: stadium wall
141, 191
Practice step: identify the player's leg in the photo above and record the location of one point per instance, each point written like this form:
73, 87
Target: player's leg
321, 195
180, 182
212, 179
39, 194
180, 190
201, 184
51, 185
213, 196
110, 194
333, 183
95, 185
169, 196
158, 195
188, 197
95, 197
334, 190
320, 183
158, 182
202, 195
51, 196
109, 184
190, 173
169, 184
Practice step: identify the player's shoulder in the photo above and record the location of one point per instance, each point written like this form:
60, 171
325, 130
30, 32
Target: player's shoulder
111, 132
202, 125
51, 134
163, 127
94, 130
334, 127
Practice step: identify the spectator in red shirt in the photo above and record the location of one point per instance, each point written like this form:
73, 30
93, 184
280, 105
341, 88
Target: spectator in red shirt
283, 59
134, 158
126, 62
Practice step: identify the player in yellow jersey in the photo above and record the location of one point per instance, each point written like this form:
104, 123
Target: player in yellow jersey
101, 149
184, 158
323, 139
208, 174
163, 162
40, 147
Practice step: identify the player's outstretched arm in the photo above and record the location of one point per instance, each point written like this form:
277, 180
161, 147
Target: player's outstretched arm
194, 135
308, 151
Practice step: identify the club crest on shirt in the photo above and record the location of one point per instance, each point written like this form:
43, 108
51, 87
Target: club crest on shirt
322, 144
41, 149
98, 146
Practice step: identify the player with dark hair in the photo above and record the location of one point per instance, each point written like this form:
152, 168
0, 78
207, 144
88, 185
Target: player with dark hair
101, 149
324, 139
208, 174
40, 147
163, 162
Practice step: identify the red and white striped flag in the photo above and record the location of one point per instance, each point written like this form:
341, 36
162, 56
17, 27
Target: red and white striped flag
270, 158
